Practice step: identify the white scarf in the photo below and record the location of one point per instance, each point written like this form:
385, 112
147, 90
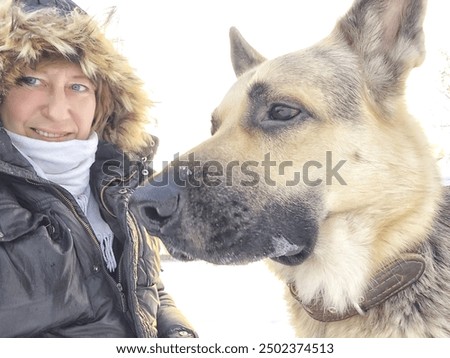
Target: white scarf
68, 164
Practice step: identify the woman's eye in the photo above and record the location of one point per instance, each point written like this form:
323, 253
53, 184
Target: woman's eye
77, 87
283, 113
29, 81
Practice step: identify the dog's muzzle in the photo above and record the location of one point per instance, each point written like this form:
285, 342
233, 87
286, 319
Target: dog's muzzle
192, 224
157, 204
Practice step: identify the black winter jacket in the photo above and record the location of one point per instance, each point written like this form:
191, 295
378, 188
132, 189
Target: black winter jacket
53, 281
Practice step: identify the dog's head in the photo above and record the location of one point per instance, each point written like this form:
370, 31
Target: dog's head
300, 140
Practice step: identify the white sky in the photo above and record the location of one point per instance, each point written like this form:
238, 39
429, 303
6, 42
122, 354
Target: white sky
187, 70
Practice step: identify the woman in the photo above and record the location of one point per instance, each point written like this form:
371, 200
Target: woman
74, 262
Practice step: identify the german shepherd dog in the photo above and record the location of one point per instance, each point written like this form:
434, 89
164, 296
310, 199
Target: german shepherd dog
315, 165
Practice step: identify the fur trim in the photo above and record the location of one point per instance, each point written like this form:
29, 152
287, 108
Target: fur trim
122, 104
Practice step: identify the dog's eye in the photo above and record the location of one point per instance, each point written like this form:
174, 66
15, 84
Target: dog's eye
283, 113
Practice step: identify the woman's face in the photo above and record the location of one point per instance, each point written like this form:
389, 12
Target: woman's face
55, 102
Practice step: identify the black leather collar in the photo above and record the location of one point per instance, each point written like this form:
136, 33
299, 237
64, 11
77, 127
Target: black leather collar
387, 282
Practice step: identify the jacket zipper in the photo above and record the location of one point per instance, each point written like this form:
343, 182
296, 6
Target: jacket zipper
91, 234
144, 328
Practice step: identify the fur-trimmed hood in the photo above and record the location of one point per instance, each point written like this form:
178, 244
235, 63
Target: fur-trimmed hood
29, 32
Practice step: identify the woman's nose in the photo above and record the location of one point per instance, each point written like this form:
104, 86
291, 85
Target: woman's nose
58, 106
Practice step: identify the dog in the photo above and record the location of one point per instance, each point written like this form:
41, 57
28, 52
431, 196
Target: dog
315, 166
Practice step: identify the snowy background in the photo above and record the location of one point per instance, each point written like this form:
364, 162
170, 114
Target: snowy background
233, 302
187, 71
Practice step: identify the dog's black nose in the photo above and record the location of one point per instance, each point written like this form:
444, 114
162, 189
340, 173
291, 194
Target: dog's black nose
156, 202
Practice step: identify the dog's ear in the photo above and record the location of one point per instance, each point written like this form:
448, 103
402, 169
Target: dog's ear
388, 37
243, 56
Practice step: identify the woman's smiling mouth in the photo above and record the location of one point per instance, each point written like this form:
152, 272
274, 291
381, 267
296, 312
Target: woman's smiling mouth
50, 135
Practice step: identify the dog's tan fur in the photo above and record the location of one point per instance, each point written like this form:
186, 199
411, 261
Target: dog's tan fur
352, 84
